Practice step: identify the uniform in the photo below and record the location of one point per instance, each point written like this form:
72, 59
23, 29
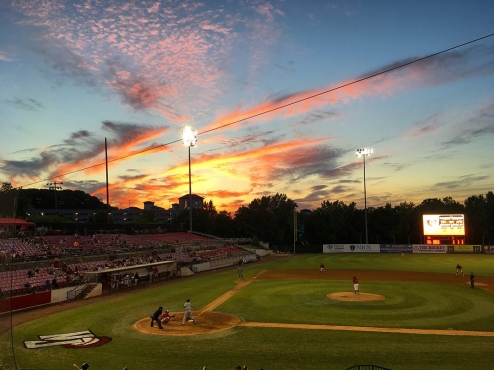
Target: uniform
240, 273
156, 317
188, 312
459, 269
322, 268
355, 285
166, 317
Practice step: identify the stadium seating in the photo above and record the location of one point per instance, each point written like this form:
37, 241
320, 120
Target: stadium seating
109, 249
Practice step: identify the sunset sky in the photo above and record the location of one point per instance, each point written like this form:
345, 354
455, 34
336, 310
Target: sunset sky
73, 73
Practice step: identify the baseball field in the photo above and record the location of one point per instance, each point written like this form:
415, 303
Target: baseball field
413, 312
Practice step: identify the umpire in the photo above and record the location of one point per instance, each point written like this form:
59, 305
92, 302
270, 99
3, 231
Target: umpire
156, 317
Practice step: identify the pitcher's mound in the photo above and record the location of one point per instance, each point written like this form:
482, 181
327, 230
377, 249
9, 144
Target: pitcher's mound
350, 297
207, 322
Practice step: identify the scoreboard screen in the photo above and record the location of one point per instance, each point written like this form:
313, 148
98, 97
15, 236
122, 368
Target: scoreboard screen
444, 224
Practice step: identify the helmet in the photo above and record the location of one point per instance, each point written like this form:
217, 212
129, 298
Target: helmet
84, 366
160, 308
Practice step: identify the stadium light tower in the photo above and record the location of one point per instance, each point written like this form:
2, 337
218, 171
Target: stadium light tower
55, 186
189, 137
365, 153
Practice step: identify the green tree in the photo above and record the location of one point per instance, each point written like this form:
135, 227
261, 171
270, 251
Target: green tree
477, 219
335, 222
8, 200
405, 212
269, 218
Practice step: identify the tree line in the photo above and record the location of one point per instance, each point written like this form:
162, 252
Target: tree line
276, 220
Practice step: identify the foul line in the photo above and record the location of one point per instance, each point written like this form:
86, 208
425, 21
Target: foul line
370, 329
223, 298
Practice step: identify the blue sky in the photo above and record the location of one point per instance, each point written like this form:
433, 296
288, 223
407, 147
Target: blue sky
136, 72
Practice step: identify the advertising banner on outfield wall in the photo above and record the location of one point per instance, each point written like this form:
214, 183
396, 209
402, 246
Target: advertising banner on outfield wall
351, 248
488, 248
464, 249
396, 248
426, 248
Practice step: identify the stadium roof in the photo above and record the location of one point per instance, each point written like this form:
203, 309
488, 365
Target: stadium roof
15, 222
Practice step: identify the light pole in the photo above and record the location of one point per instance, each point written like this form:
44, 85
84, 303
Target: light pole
54, 186
189, 137
365, 153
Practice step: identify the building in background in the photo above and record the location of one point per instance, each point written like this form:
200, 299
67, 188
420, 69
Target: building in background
125, 215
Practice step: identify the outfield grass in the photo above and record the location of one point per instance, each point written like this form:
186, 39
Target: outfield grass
407, 305
479, 264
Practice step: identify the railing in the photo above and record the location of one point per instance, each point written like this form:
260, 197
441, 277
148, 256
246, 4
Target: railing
72, 294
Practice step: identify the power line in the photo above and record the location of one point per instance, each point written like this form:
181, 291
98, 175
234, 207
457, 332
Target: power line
277, 108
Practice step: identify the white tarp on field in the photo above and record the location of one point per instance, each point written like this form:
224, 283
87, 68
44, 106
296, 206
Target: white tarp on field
351, 248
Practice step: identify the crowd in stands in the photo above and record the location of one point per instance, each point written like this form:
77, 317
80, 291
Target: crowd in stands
58, 246
187, 249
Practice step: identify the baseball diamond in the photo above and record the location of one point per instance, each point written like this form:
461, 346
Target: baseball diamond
210, 322
406, 306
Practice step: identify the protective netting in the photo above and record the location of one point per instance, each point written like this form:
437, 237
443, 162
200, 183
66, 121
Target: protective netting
9, 233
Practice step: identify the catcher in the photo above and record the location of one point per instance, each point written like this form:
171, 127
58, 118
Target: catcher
165, 317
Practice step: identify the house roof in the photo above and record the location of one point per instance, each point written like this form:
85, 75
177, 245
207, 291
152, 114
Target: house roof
15, 222
193, 196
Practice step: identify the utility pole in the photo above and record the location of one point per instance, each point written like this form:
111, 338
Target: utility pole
294, 229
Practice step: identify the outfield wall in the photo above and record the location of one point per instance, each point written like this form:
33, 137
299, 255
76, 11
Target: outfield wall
404, 248
25, 301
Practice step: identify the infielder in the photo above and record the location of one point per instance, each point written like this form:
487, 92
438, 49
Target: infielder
188, 312
459, 269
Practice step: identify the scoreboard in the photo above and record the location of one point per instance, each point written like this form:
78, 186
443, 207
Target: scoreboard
444, 225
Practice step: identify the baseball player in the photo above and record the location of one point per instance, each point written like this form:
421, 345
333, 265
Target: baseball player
156, 317
240, 272
165, 317
322, 268
459, 269
355, 285
188, 312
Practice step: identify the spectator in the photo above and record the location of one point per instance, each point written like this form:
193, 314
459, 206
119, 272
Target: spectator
29, 287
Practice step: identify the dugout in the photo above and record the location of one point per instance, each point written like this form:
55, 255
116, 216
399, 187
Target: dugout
111, 279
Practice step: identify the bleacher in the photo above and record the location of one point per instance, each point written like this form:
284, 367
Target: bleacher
14, 281
58, 255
